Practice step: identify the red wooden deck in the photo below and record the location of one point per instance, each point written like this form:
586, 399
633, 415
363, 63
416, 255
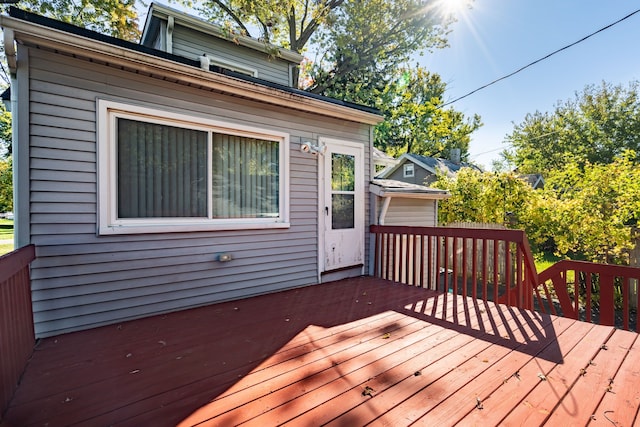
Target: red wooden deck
348, 353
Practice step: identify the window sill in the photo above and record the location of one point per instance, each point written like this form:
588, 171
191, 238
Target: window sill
187, 228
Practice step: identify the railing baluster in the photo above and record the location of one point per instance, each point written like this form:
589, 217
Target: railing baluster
507, 271
430, 262
496, 256
401, 259
465, 267
519, 282
484, 269
417, 279
626, 282
607, 314
588, 284
454, 265
474, 270
438, 265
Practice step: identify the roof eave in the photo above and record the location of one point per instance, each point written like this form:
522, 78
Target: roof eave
408, 194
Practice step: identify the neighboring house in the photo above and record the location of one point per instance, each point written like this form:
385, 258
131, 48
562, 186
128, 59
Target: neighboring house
382, 161
535, 180
401, 203
151, 178
421, 170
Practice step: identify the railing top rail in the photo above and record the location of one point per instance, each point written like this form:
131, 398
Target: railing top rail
590, 267
15, 261
516, 236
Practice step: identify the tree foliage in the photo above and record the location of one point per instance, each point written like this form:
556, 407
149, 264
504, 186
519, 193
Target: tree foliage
595, 127
5, 131
589, 212
364, 42
6, 185
359, 51
582, 213
117, 18
356, 42
416, 122
485, 197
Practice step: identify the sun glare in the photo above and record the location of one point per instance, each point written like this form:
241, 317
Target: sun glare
453, 8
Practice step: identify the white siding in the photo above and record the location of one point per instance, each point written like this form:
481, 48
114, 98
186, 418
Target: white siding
82, 280
414, 212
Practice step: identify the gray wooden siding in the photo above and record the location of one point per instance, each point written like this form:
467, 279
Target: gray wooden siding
82, 280
420, 175
192, 44
414, 212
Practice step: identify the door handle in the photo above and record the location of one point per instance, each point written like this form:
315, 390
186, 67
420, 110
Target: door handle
326, 209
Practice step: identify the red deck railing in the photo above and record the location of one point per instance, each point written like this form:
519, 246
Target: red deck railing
489, 264
600, 293
497, 265
16, 320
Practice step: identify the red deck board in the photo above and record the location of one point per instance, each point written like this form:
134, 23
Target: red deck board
595, 381
465, 400
511, 394
620, 405
304, 357
431, 367
377, 372
334, 369
541, 402
460, 368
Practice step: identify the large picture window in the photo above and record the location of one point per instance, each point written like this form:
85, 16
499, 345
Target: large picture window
162, 172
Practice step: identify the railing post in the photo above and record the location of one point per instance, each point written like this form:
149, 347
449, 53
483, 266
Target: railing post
607, 309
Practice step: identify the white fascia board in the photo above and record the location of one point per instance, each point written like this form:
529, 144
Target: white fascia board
25, 32
435, 195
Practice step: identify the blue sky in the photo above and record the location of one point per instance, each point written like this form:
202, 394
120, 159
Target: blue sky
496, 37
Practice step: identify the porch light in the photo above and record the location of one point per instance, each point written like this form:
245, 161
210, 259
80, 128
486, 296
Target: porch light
315, 149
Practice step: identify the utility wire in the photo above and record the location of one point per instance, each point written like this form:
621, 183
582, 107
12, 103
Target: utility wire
541, 59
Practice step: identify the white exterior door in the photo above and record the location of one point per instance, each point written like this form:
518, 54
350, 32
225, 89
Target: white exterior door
342, 205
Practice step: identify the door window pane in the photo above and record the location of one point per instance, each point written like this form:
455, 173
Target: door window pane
343, 167
342, 211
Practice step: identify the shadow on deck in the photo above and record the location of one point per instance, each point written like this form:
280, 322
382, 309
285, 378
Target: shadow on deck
201, 365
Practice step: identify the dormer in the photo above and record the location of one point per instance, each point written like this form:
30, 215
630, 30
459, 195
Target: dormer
176, 32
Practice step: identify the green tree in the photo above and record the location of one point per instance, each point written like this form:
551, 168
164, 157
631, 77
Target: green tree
5, 131
590, 211
488, 197
595, 127
6, 185
364, 42
117, 18
416, 122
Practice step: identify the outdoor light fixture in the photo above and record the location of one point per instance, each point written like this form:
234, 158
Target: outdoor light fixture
315, 149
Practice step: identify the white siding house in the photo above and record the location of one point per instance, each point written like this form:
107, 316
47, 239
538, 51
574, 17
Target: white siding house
149, 184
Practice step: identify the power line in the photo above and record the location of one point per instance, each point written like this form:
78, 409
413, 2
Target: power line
541, 59
506, 142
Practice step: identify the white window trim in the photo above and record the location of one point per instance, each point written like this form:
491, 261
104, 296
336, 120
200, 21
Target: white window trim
408, 172
233, 66
109, 223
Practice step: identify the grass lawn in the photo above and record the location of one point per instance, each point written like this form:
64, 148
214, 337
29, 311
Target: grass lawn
545, 261
6, 233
